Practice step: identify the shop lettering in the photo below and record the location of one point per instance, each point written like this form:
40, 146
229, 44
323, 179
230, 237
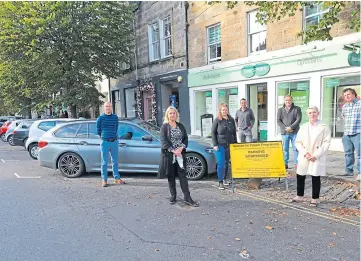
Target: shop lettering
308, 61
211, 76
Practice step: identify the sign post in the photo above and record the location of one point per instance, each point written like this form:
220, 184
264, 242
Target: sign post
257, 160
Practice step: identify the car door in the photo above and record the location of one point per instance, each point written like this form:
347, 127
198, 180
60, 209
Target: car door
138, 153
88, 143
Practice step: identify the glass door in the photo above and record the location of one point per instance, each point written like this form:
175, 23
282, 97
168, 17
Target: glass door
258, 102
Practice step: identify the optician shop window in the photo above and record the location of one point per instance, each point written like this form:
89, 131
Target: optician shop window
131, 102
299, 90
333, 100
230, 97
203, 105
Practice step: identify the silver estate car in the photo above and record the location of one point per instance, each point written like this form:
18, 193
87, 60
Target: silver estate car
74, 148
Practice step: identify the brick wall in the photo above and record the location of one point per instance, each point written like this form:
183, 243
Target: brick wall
280, 34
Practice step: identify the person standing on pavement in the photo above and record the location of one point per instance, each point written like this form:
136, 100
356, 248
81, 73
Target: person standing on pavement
245, 121
107, 128
313, 141
173, 163
351, 113
223, 134
289, 118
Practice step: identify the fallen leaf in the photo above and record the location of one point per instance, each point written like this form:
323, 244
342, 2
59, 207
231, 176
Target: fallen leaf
331, 244
150, 196
209, 237
269, 227
334, 233
156, 250
244, 251
238, 239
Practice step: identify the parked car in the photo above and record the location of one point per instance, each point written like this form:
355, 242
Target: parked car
4, 129
37, 129
21, 132
74, 148
9, 135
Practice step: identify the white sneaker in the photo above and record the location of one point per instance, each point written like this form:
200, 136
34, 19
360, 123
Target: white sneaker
226, 183
358, 177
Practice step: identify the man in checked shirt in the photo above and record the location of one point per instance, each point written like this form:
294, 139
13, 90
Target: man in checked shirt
351, 112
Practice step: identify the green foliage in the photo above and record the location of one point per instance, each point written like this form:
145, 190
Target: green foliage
273, 11
55, 51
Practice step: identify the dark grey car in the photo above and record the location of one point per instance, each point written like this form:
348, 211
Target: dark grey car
21, 133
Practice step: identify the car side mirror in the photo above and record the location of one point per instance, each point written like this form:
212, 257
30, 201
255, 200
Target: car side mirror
147, 138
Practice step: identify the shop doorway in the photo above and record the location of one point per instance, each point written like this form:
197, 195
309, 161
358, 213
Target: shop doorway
258, 102
147, 98
170, 96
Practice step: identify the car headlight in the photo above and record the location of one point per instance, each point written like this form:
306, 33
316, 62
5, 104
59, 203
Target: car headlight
210, 150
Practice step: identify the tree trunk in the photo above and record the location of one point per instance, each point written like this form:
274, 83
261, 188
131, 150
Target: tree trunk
73, 112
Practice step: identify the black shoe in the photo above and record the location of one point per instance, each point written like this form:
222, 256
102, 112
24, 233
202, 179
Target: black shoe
172, 200
190, 202
220, 185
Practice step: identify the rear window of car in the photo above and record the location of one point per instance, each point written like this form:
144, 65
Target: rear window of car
46, 125
67, 131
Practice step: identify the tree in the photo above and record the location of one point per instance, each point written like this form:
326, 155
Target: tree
59, 49
269, 12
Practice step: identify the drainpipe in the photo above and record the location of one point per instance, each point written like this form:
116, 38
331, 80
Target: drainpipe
186, 6
135, 41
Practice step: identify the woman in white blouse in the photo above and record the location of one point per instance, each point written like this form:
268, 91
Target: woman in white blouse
312, 142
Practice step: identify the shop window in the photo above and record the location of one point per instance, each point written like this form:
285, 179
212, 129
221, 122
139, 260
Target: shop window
131, 102
313, 14
257, 34
203, 105
214, 43
299, 91
230, 97
333, 100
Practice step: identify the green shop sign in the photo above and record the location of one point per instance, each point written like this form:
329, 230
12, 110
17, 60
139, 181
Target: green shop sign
260, 69
354, 59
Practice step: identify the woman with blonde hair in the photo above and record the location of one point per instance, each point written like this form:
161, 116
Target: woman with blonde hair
223, 134
174, 140
313, 140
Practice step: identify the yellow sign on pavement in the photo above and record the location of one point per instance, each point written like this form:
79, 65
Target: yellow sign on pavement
257, 160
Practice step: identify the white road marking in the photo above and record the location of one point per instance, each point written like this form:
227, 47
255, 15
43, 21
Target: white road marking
17, 175
3, 161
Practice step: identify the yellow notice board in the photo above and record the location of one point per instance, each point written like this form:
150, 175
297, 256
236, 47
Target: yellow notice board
257, 160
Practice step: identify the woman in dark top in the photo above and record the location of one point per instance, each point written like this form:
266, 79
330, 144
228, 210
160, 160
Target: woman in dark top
223, 134
173, 162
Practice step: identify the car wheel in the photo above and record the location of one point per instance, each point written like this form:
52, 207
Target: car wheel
11, 140
196, 166
24, 142
34, 150
71, 165
3, 137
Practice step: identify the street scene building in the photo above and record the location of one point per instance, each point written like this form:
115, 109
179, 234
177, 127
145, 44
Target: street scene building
254, 106
233, 57
157, 77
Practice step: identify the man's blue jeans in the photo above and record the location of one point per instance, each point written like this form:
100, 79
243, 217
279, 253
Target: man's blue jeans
351, 143
286, 139
112, 147
222, 157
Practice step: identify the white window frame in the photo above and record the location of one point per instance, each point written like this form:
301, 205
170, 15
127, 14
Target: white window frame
249, 34
152, 43
318, 14
165, 38
217, 59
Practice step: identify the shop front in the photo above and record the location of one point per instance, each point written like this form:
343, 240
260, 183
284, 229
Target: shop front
148, 100
313, 75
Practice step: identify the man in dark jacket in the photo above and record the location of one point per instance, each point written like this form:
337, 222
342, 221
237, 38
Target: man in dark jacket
289, 118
